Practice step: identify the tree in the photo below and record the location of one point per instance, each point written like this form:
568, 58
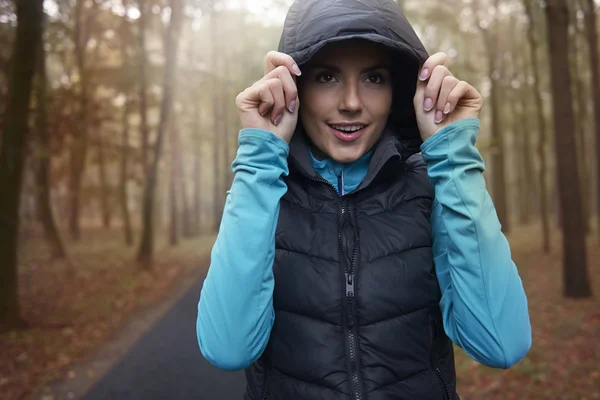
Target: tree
490, 37
592, 41
43, 159
12, 153
79, 148
143, 96
174, 186
124, 197
146, 250
575, 273
217, 92
542, 134
103, 179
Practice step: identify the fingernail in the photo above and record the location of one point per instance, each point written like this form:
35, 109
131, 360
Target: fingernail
438, 117
447, 108
277, 119
424, 74
292, 106
296, 69
428, 105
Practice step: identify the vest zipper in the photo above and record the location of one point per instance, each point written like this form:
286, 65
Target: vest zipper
350, 298
340, 182
350, 289
266, 392
439, 377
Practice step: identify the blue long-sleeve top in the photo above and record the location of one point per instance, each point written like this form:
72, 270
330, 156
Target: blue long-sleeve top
483, 304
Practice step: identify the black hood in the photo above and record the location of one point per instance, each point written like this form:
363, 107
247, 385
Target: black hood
311, 24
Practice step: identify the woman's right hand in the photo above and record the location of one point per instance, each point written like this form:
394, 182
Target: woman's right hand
272, 102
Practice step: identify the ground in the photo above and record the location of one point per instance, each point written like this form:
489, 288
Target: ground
564, 361
71, 314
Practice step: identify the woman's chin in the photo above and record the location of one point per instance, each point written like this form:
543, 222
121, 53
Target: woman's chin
347, 155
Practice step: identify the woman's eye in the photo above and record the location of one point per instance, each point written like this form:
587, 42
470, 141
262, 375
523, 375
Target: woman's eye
326, 78
375, 79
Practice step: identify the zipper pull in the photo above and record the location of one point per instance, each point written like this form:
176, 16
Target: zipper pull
340, 182
349, 285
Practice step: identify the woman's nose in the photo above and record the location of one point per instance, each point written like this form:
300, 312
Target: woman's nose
351, 101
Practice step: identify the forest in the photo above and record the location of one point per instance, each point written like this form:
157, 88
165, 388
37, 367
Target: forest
118, 128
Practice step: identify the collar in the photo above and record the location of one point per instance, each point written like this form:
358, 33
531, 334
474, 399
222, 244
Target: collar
388, 146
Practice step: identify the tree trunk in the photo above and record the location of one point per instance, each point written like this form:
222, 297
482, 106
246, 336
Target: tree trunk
188, 230
217, 121
57, 248
491, 44
124, 177
173, 186
143, 96
186, 221
592, 41
528, 192
12, 153
104, 189
575, 273
581, 120
498, 151
80, 142
229, 97
517, 126
197, 172
542, 135
146, 250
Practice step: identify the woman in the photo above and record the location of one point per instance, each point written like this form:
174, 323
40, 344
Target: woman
347, 262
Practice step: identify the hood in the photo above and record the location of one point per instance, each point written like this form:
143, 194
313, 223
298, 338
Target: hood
311, 24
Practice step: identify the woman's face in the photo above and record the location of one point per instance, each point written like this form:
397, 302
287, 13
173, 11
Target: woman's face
345, 99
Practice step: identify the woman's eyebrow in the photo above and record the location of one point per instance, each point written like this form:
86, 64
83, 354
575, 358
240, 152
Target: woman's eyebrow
325, 66
337, 69
376, 67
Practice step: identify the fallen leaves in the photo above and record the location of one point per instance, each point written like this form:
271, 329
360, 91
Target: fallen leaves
71, 314
564, 361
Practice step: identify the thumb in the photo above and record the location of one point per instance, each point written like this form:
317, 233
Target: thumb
419, 95
288, 124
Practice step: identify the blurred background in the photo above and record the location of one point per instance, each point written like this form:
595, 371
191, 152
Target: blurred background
118, 128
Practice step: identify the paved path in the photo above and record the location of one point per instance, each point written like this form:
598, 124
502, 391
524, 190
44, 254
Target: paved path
166, 364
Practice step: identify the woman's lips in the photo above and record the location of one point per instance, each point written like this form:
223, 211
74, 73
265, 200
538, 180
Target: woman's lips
346, 136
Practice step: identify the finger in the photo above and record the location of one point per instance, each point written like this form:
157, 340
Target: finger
443, 106
433, 86
461, 90
263, 96
430, 64
276, 59
290, 90
276, 88
419, 95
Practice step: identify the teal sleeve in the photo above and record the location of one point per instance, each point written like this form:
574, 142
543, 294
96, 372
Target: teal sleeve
235, 311
483, 303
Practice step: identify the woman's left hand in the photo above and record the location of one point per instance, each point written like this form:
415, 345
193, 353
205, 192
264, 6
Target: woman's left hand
441, 99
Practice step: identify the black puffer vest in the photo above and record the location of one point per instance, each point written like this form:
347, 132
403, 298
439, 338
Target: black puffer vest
356, 296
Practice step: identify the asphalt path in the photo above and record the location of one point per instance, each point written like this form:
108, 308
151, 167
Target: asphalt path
166, 364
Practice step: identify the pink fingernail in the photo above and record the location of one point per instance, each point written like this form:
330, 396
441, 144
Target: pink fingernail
277, 119
424, 74
438, 117
428, 105
292, 105
296, 69
447, 108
